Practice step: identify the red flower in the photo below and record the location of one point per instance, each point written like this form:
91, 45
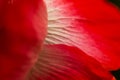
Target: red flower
23, 29
91, 25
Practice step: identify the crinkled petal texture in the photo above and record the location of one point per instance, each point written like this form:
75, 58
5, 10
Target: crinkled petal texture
61, 62
91, 25
22, 32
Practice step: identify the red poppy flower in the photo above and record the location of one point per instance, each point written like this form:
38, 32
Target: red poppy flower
21, 24
91, 25
23, 29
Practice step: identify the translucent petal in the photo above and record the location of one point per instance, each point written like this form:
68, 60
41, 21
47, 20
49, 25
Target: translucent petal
91, 25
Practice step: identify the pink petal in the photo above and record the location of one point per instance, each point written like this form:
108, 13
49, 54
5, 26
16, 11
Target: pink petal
91, 25
23, 29
61, 62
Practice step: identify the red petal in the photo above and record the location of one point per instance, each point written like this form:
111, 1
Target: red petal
22, 31
91, 25
104, 27
60, 62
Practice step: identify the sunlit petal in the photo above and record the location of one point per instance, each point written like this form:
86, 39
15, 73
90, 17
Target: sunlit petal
91, 25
